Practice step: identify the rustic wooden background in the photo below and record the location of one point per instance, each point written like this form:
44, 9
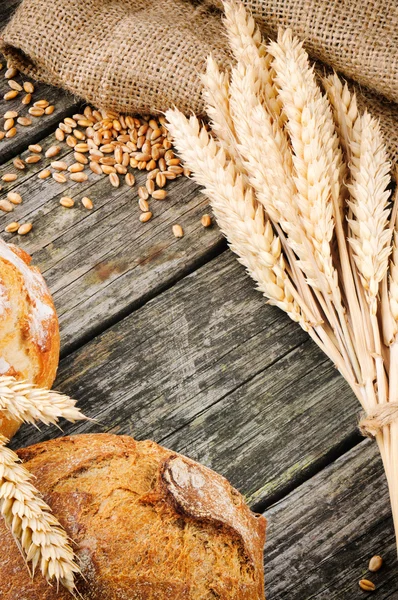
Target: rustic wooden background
167, 339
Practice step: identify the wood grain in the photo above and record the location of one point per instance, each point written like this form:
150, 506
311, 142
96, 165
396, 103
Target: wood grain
320, 538
208, 369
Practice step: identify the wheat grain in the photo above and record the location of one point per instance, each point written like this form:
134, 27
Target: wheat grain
12, 227
67, 202
145, 216
206, 220
178, 231
25, 228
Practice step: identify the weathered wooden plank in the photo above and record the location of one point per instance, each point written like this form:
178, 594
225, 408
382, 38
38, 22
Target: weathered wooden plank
64, 104
209, 369
321, 536
101, 263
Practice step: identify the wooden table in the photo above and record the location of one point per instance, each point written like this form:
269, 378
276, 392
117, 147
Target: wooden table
167, 339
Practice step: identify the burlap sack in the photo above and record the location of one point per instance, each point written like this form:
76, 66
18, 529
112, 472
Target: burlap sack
146, 55
134, 56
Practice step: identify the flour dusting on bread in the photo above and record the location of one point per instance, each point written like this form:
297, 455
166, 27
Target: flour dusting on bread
29, 334
5, 304
42, 310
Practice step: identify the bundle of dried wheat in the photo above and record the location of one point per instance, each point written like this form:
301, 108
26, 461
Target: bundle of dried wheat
298, 181
37, 532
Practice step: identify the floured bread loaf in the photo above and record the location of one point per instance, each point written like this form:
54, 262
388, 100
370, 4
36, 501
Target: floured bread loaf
29, 335
148, 524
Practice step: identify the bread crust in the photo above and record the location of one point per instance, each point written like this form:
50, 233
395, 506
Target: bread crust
148, 524
29, 332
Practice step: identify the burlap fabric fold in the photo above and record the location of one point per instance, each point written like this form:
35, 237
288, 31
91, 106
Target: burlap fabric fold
143, 56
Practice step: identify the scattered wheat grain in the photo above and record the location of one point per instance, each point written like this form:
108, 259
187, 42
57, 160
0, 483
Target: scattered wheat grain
8, 124
32, 159
145, 216
52, 151
18, 163
6, 206
12, 227
25, 228
178, 231
79, 177
206, 220
9, 177
10, 95
36, 111
67, 202
35, 148
14, 85
28, 87
24, 121
11, 73
59, 135
14, 198
366, 585
60, 177
87, 203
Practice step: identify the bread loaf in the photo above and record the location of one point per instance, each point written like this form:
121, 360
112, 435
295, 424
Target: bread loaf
29, 334
147, 523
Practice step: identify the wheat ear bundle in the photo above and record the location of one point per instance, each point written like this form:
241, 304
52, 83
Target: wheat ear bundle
39, 536
299, 183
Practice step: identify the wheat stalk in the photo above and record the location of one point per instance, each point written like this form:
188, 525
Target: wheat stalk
370, 234
319, 170
216, 94
243, 224
246, 44
345, 110
25, 402
37, 532
236, 211
317, 160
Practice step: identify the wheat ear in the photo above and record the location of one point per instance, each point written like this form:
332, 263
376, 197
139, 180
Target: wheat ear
393, 287
242, 221
27, 403
38, 533
271, 179
246, 44
216, 94
345, 110
370, 177
317, 160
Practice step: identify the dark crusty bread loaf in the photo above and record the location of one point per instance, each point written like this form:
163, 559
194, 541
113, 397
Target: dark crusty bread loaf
147, 523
